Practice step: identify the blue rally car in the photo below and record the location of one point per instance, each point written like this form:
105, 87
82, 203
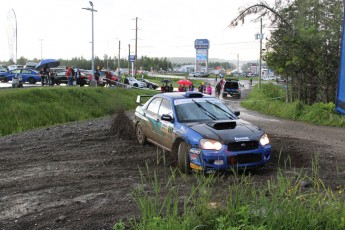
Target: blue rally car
200, 131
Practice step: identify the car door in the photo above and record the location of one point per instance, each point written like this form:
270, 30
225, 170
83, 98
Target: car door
25, 74
13, 73
152, 124
165, 135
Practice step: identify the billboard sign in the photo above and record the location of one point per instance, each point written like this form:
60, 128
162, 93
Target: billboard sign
201, 44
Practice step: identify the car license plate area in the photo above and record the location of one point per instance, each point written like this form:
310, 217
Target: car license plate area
244, 159
243, 145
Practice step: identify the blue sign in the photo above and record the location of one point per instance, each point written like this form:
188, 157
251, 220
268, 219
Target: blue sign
340, 100
131, 58
201, 44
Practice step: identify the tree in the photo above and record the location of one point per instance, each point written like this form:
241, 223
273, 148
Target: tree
305, 45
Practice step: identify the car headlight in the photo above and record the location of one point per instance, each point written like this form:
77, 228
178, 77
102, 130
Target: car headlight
210, 144
264, 140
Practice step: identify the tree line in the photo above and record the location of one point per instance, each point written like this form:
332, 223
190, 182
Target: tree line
304, 47
144, 63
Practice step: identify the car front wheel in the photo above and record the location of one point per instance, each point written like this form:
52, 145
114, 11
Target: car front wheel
183, 158
32, 80
140, 134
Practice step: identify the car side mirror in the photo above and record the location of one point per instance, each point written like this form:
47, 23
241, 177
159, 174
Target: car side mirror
237, 113
166, 117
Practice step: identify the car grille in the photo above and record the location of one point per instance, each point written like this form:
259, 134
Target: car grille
244, 159
244, 145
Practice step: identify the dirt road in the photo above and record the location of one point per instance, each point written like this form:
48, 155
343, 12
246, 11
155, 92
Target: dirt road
80, 175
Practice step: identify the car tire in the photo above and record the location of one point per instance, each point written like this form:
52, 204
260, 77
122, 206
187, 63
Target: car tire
150, 87
140, 135
135, 85
224, 94
183, 158
32, 80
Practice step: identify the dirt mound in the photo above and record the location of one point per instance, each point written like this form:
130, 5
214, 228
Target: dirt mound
122, 126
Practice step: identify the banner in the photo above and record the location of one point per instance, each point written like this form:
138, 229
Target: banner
340, 100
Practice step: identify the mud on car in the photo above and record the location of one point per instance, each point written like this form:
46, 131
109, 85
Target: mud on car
200, 132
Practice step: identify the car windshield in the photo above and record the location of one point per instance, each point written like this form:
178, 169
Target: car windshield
198, 109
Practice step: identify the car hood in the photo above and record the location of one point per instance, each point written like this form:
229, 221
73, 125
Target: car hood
228, 131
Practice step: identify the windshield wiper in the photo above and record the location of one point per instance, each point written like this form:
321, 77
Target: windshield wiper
220, 108
205, 111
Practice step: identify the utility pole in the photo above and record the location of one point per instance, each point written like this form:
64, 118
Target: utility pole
41, 40
260, 60
136, 47
15, 16
238, 63
118, 65
129, 54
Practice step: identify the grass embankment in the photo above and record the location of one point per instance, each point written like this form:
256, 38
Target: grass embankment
270, 100
29, 108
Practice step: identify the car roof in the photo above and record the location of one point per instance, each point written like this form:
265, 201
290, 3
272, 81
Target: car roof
184, 95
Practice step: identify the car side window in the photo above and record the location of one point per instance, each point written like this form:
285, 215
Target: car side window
16, 71
165, 108
26, 71
154, 105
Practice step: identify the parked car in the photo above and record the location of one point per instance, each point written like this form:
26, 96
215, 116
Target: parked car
27, 75
200, 132
60, 77
136, 83
194, 74
149, 84
231, 87
13, 67
280, 80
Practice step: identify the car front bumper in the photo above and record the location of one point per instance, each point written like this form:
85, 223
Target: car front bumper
206, 160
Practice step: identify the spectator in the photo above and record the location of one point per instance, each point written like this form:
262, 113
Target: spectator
166, 88
69, 75
97, 75
47, 75
43, 77
209, 89
180, 89
77, 76
191, 87
201, 87
218, 89
171, 88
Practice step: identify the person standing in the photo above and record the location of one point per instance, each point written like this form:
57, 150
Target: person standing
77, 76
46, 71
201, 87
218, 89
69, 75
209, 89
191, 87
43, 77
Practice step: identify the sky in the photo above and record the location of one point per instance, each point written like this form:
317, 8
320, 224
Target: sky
62, 29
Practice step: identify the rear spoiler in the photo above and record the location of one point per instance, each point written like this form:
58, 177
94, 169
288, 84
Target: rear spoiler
139, 97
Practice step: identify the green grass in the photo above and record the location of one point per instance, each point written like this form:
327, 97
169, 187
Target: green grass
281, 203
29, 108
270, 99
